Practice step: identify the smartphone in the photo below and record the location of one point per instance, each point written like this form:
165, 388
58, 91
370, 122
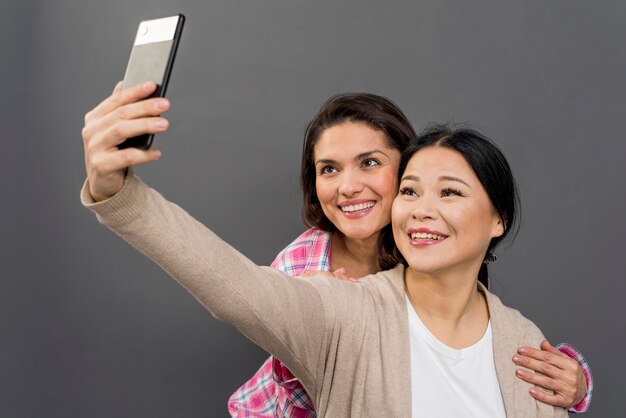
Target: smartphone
152, 59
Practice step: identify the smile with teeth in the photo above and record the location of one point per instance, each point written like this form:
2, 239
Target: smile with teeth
356, 208
426, 235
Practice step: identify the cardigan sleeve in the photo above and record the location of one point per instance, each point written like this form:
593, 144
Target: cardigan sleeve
285, 316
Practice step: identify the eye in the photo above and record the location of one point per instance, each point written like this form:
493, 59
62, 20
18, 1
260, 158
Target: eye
447, 192
407, 191
327, 169
370, 162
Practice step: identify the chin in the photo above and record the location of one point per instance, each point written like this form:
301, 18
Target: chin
429, 270
424, 265
359, 233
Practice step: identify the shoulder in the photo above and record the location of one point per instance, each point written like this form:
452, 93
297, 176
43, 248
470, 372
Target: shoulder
512, 330
384, 290
510, 316
391, 280
512, 323
372, 292
309, 251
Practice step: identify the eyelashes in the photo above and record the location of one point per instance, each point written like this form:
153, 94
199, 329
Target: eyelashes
370, 162
327, 169
446, 192
407, 191
366, 163
449, 191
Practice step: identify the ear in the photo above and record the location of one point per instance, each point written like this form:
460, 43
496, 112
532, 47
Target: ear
498, 226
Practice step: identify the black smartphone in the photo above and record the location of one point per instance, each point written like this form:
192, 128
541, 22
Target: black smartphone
152, 59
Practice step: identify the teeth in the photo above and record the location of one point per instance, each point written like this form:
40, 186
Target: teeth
355, 208
426, 235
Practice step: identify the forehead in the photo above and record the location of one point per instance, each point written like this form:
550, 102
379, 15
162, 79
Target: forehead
349, 139
438, 161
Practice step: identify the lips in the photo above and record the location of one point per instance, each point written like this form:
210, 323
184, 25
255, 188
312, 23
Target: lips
425, 236
356, 207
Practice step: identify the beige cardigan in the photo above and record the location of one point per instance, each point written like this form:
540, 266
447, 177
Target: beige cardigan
348, 343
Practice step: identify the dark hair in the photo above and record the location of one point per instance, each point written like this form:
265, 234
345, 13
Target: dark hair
491, 168
378, 113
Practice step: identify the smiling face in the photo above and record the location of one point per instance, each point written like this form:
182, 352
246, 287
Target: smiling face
443, 220
356, 178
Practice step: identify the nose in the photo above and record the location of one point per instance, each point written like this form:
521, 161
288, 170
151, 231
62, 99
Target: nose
424, 208
351, 183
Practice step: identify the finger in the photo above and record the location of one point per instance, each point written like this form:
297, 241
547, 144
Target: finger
556, 359
546, 346
124, 129
118, 87
111, 162
120, 98
558, 391
309, 273
540, 366
550, 399
539, 380
144, 108
341, 274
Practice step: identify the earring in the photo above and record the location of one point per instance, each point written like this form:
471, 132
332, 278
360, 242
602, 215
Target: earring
490, 257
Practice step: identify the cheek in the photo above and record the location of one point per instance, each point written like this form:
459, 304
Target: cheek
387, 185
398, 214
472, 219
323, 191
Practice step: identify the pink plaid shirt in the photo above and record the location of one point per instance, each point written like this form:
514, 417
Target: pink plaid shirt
273, 391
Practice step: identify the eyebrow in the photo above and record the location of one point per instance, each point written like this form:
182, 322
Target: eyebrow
442, 178
361, 156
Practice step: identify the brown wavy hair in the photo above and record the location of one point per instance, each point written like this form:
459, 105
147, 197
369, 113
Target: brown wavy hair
377, 112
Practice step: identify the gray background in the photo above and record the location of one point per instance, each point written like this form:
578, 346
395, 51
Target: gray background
90, 328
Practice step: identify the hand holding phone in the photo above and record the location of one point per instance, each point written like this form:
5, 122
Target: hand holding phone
152, 59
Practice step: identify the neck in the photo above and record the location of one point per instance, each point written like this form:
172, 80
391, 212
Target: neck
358, 256
449, 305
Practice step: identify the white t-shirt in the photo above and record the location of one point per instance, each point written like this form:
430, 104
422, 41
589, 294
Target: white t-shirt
451, 383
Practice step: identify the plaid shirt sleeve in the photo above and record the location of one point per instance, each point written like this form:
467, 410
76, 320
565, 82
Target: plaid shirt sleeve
273, 391
572, 352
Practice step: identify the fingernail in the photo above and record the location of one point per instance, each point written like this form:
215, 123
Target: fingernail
522, 350
162, 104
520, 372
157, 154
147, 86
517, 359
161, 123
533, 392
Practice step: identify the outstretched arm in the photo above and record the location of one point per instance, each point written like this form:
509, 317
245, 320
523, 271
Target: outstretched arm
283, 315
